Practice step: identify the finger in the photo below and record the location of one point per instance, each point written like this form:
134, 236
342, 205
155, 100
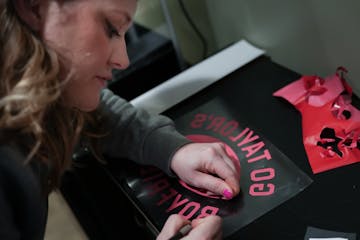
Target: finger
210, 219
209, 227
233, 181
224, 156
227, 155
172, 225
214, 184
227, 174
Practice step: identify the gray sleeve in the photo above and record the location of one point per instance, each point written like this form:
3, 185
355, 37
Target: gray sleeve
8, 228
136, 135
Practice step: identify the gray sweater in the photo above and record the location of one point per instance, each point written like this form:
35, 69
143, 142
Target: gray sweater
134, 134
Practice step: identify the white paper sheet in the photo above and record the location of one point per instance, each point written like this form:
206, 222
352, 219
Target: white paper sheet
328, 238
197, 77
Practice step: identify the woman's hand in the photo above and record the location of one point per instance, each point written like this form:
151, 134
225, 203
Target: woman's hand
209, 227
208, 166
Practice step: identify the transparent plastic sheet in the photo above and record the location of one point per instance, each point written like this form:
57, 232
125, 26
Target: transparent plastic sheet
268, 177
313, 233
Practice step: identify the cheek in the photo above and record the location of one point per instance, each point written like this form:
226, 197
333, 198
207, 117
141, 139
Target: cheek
82, 93
88, 61
80, 51
93, 56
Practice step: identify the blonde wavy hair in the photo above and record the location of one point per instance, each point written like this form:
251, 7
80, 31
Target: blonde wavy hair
31, 111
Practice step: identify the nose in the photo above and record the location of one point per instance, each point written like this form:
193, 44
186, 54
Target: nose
119, 58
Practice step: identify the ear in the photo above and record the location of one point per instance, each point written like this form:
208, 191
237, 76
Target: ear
29, 12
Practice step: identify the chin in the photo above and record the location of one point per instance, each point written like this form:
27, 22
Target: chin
89, 106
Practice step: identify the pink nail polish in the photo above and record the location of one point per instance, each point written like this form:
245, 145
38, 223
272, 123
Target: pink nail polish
227, 194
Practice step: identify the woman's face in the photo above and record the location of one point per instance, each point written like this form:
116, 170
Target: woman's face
88, 35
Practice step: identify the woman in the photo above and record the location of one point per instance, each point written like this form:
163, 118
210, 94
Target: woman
56, 57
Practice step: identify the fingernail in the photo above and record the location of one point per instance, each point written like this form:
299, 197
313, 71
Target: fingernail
227, 194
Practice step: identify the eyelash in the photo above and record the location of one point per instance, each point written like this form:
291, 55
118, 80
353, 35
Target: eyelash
111, 30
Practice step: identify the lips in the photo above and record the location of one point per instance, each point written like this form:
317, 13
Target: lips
103, 80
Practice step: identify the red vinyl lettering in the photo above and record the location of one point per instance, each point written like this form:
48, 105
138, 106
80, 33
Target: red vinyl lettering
208, 210
199, 120
258, 189
262, 174
190, 209
165, 197
254, 148
176, 203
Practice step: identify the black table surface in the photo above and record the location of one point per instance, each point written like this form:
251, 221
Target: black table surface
331, 201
